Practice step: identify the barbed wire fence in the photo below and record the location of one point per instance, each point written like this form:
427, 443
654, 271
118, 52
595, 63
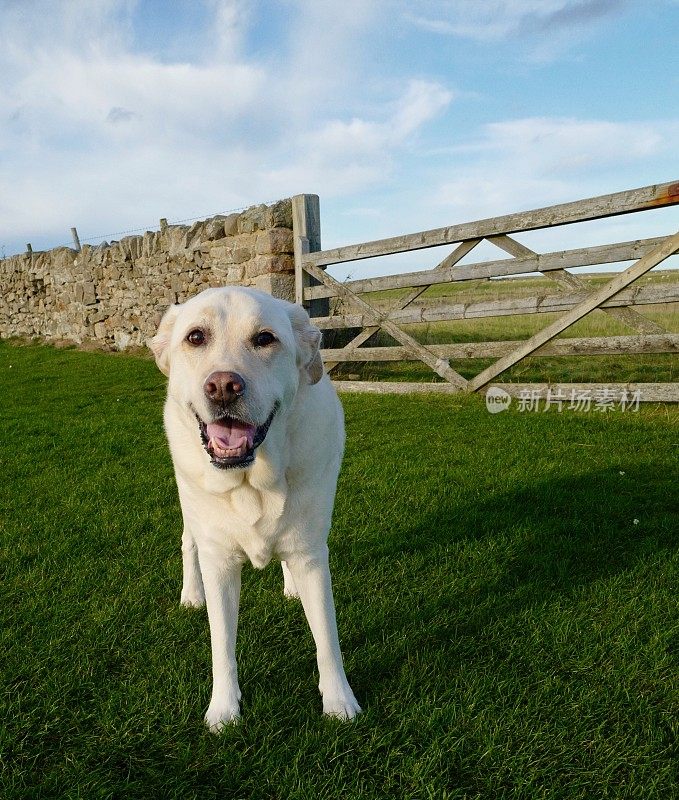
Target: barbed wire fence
113, 236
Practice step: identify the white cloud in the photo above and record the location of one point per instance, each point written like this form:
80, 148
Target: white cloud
231, 20
497, 19
539, 161
98, 134
327, 56
563, 145
422, 101
349, 156
66, 89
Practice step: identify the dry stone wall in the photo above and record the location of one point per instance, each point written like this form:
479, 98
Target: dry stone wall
114, 294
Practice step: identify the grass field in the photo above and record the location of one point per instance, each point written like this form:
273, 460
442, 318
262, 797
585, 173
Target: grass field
506, 588
555, 369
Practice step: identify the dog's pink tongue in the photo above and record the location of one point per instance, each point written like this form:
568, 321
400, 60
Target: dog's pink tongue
229, 433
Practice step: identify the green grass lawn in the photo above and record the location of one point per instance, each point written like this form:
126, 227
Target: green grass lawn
506, 589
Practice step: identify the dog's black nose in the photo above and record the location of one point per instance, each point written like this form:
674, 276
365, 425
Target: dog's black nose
224, 387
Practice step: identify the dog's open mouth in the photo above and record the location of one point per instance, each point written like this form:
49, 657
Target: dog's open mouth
231, 442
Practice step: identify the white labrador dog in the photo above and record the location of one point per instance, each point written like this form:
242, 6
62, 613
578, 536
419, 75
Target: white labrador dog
256, 434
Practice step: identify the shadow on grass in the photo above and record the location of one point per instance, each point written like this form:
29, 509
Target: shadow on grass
453, 576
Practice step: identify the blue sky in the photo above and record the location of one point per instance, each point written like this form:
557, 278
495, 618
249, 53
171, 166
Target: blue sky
400, 115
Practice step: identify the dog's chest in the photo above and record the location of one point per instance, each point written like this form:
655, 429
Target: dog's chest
252, 522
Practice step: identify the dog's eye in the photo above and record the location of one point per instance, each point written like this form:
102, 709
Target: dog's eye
263, 339
196, 337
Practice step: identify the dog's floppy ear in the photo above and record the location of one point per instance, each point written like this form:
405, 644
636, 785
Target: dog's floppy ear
308, 339
160, 344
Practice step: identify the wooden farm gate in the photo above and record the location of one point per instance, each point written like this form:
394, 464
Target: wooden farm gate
315, 288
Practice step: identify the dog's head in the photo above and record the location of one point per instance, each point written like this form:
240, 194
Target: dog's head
235, 357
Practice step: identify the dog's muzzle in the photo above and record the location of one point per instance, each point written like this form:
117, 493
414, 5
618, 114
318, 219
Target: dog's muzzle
231, 442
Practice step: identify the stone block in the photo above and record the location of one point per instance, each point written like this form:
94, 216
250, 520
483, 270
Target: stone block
231, 224
275, 241
263, 265
279, 215
221, 254
176, 238
214, 228
281, 285
130, 247
148, 247
89, 294
253, 219
194, 234
241, 255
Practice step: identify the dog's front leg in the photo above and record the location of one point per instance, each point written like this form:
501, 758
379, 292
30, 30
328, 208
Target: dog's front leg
311, 575
193, 595
221, 579
289, 588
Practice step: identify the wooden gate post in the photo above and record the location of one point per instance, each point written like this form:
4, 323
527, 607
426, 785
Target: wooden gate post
306, 227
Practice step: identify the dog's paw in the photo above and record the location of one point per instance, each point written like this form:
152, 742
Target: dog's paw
219, 715
192, 599
341, 705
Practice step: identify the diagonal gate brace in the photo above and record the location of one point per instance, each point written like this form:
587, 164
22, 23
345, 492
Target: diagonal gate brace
439, 366
664, 250
459, 253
